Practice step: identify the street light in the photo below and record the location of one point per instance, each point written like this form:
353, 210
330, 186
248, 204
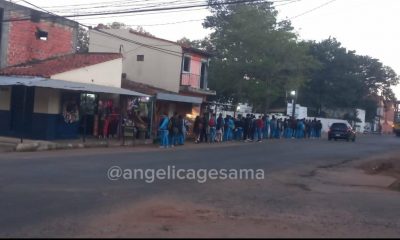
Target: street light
237, 110
293, 94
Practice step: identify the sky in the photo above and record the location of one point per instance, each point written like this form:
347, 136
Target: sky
369, 27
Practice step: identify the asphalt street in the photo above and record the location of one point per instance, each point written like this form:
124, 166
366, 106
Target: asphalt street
49, 193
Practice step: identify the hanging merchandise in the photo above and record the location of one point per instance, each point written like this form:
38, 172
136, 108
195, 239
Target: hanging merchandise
133, 104
71, 111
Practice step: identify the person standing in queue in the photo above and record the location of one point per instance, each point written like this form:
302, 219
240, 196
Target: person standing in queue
163, 128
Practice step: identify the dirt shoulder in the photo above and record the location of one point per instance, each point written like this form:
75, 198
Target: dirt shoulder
386, 166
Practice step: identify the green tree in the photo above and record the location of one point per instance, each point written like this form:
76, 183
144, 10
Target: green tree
203, 44
120, 25
352, 117
141, 30
256, 58
346, 80
83, 40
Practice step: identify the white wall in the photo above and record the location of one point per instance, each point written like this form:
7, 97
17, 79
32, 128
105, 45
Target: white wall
106, 74
47, 101
300, 111
244, 109
327, 122
159, 69
5, 98
360, 127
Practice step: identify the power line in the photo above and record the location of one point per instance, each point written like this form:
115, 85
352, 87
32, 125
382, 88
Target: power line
166, 51
115, 3
162, 24
148, 13
289, 2
33, 5
165, 12
312, 10
143, 10
91, 4
138, 6
186, 21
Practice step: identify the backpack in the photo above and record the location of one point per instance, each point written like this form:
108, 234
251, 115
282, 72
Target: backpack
211, 123
170, 124
226, 123
220, 123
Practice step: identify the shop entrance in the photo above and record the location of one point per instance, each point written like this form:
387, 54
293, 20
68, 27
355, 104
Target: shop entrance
88, 108
21, 112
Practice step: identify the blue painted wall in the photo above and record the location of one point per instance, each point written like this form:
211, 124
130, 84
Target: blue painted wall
44, 127
5, 117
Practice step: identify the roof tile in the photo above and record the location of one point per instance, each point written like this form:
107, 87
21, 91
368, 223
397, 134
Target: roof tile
48, 67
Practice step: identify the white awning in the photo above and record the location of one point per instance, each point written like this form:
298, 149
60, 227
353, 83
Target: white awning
66, 85
178, 98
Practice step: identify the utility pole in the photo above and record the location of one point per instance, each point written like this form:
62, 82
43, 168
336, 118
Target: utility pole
23, 115
294, 96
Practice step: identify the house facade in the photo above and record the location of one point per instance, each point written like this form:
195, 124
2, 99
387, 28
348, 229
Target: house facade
175, 74
142, 64
55, 91
47, 90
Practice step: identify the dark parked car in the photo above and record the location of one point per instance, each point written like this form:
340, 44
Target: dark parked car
341, 131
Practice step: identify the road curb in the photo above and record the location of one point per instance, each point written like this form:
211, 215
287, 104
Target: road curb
27, 147
49, 146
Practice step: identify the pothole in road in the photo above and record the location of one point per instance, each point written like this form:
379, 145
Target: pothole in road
309, 174
314, 172
395, 186
303, 187
385, 167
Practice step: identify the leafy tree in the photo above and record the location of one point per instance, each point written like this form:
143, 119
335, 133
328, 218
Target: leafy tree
257, 59
113, 25
117, 25
120, 25
203, 44
352, 117
83, 40
142, 31
186, 41
378, 79
346, 80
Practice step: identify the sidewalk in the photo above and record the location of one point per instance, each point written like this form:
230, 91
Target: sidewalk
8, 144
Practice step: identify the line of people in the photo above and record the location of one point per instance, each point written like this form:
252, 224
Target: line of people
173, 130
250, 128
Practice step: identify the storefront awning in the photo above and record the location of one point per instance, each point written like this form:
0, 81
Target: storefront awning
66, 85
178, 98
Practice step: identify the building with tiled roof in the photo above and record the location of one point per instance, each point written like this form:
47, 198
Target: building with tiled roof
54, 90
176, 74
49, 67
47, 90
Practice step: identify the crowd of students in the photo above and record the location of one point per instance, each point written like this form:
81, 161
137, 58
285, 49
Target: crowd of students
172, 131
243, 128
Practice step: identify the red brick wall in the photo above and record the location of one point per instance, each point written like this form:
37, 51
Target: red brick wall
23, 46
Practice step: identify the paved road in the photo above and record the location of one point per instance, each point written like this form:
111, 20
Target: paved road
49, 193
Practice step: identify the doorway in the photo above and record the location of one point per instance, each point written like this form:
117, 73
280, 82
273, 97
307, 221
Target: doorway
21, 123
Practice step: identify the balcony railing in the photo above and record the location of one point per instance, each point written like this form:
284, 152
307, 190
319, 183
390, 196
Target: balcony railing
192, 80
